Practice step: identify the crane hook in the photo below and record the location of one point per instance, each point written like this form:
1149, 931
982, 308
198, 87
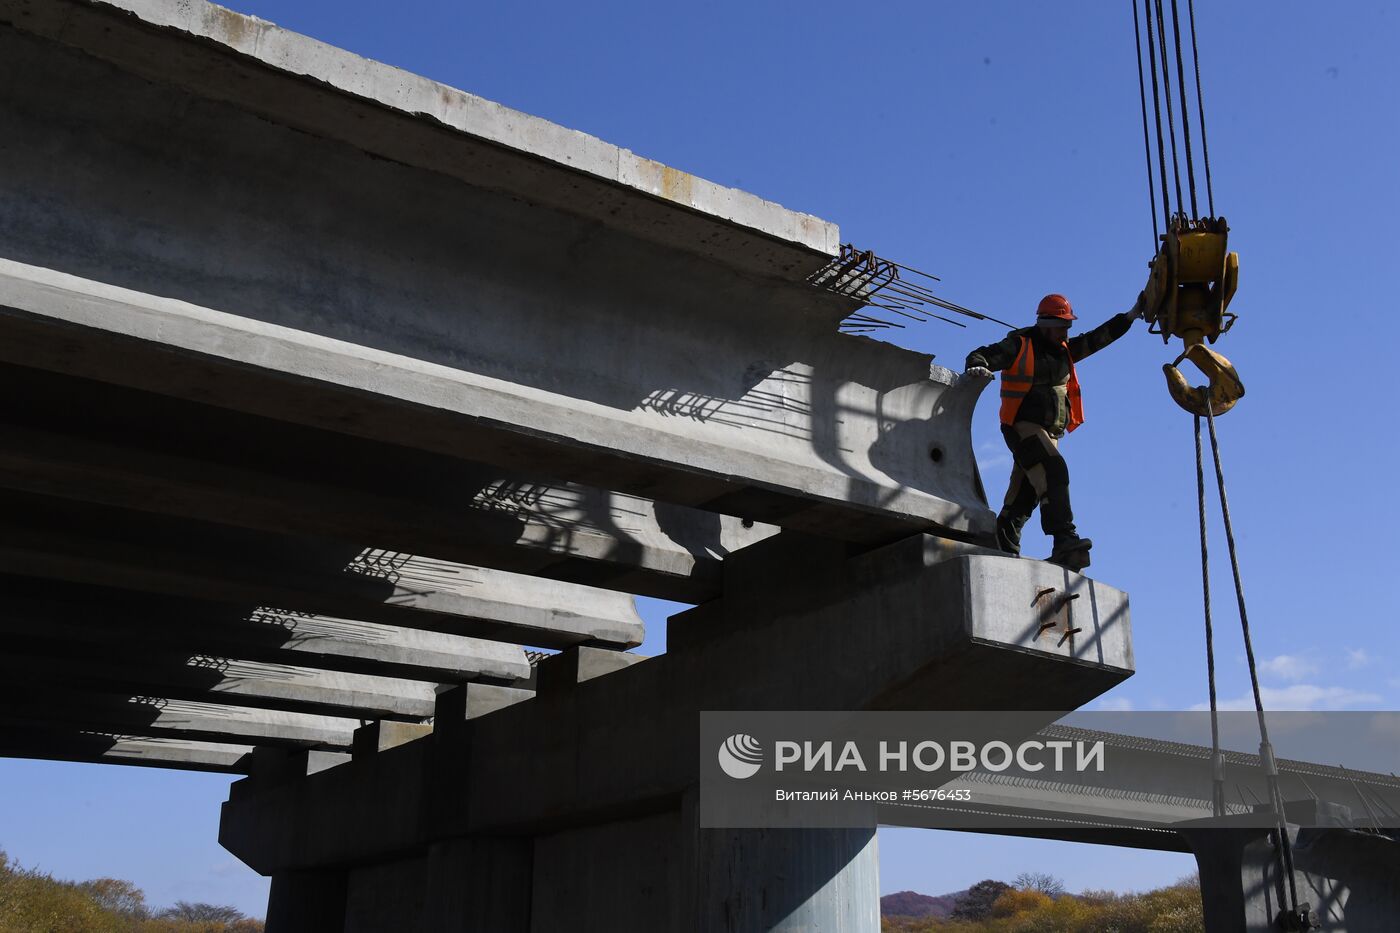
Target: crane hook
1223, 391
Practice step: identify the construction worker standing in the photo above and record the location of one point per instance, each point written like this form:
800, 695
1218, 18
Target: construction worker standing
1040, 403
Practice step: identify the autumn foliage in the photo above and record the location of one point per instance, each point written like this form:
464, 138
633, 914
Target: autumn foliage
1173, 909
34, 902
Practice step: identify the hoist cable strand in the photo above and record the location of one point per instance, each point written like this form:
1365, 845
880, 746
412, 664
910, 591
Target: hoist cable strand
1167, 91
1185, 113
1235, 569
1157, 113
1285, 848
1146, 140
1218, 778
1200, 104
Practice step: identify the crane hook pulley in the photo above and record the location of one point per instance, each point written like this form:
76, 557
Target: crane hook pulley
1193, 278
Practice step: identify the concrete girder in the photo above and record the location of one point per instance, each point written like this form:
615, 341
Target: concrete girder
107, 617
56, 540
742, 400
789, 457
209, 678
57, 708
555, 531
109, 748
292, 79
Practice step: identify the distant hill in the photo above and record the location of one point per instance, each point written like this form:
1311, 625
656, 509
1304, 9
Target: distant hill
914, 904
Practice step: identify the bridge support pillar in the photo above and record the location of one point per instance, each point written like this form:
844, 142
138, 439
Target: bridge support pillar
307, 902
1350, 879
664, 873
479, 883
787, 880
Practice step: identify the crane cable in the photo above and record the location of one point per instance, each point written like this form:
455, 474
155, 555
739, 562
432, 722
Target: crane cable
1283, 848
1294, 918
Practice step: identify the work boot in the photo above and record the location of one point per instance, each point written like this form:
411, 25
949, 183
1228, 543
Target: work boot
1071, 552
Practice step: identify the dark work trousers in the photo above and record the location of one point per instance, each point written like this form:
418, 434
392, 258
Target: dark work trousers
1039, 476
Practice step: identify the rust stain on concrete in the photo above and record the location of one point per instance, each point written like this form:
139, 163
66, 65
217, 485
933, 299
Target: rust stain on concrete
676, 185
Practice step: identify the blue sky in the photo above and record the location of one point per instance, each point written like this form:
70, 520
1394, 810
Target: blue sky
997, 144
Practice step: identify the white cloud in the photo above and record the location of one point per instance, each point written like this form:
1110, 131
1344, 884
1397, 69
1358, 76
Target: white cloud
1117, 705
1357, 657
1287, 667
1300, 697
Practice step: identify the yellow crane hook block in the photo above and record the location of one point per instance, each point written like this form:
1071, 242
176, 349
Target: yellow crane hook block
1224, 390
1194, 277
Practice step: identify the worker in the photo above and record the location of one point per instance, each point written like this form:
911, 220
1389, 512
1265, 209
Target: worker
1040, 403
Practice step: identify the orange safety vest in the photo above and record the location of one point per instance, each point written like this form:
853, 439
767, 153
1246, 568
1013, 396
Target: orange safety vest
1017, 378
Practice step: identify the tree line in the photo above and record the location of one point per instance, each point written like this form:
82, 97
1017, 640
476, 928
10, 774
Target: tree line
1038, 903
34, 902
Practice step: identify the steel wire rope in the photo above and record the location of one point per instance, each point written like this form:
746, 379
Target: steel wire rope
1217, 761
1185, 114
1146, 140
1200, 103
1167, 92
1157, 113
1266, 749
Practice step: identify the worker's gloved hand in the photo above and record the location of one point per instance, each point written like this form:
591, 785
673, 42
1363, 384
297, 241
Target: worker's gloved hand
977, 372
1138, 308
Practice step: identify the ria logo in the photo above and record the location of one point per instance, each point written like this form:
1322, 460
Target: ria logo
740, 756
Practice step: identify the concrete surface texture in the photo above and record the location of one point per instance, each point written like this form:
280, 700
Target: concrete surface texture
1349, 879
345, 387
558, 772
370, 295
334, 93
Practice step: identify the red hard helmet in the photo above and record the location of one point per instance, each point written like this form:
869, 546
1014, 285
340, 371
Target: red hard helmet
1055, 306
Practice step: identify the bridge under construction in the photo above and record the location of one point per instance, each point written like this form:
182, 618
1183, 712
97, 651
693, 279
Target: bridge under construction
348, 413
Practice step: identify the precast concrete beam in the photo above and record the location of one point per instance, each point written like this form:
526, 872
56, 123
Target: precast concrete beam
469, 515
117, 618
869, 444
477, 324
64, 708
105, 748
382, 735
92, 546
921, 624
257, 66
214, 679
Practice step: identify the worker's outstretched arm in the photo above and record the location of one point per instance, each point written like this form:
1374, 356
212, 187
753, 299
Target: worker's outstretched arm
1092, 341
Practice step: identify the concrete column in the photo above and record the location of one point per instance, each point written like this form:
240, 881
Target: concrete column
384, 897
479, 885
1350, 879
787, 880
662, 873
1229, 891
307, 902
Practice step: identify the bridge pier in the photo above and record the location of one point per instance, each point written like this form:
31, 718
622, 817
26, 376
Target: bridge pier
1350, 879
577, 808
312, 901
654, 873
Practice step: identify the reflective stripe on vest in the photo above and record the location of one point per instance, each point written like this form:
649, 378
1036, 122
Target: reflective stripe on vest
1017, 379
